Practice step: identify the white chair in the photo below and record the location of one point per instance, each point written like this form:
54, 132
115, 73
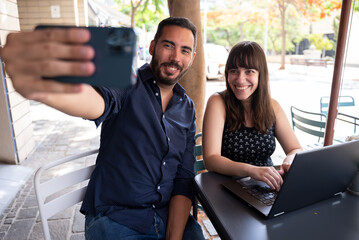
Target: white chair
49, 194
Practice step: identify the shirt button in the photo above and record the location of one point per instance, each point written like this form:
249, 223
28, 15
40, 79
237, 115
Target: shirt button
164, 163
154, 82
156, 94
159, 187
169, 139
153, 206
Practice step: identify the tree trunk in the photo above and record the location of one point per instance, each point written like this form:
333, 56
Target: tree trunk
241, 36
133, 11
227, 37
194, 81
134, 7
282, 9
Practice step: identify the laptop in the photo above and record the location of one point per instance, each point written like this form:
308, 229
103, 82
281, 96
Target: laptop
315, 175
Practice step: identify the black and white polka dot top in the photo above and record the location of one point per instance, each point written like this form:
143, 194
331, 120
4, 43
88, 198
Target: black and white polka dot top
249, 146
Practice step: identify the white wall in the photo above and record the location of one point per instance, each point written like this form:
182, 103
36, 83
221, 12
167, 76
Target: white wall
16, 128
353, 43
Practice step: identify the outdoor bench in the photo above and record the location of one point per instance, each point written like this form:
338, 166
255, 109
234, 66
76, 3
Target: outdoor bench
316, 62
309, 62
298, 61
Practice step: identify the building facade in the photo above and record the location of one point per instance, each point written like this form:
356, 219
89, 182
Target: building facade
16, 129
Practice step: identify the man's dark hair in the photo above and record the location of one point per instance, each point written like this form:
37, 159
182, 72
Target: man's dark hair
177, 21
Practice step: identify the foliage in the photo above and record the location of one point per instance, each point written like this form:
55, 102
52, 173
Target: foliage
318, 9
146, 13
356, 6
149, 19
228, 33
235, 22
336, 29
320, 42
245, 20
292, 28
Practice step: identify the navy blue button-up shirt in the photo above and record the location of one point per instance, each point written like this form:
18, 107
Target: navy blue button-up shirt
146, 155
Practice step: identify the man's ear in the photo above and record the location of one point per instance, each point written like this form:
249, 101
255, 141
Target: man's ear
193, 55
152, 47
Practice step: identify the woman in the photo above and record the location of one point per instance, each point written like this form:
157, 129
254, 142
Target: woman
241, 123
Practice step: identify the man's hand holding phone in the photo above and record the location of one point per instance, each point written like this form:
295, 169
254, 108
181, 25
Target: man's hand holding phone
35, 59
29, 56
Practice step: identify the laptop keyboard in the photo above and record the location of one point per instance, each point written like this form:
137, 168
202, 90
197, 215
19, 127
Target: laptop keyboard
264, 194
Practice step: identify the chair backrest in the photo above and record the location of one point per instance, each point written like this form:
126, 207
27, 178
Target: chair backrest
308, 122
343, 101
61, 192
199, 165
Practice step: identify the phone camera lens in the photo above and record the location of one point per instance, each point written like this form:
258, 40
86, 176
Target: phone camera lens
120, 40
115, 40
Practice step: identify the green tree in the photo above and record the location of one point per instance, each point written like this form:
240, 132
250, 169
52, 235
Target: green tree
234, 22
336, 29
245, 20
311, 9
356, 6
296, 40
321, 43
282, 7
151, 11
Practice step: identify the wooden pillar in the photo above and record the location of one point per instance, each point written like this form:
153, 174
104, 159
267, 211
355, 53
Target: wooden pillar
194, 81
337, 74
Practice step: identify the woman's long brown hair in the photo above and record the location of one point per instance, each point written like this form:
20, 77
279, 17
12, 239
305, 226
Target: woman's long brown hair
251, 56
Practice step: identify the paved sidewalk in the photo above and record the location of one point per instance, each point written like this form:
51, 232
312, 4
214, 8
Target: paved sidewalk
57, 135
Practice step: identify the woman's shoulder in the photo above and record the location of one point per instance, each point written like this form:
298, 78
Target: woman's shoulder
278, 110
275, 104
216, 97
215, 103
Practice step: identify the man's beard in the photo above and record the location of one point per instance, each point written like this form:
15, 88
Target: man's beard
155, 66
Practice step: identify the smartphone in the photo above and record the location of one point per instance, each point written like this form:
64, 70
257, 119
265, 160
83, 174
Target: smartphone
115, 57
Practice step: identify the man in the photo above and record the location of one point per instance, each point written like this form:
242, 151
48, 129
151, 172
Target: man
142, 184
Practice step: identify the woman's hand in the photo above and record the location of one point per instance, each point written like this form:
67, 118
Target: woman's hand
287, 162
269, 175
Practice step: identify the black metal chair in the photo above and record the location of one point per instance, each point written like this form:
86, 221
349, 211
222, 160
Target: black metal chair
310, 123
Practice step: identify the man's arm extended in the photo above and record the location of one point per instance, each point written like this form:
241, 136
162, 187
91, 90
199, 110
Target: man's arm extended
87, 104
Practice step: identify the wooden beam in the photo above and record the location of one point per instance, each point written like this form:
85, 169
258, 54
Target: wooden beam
338, 68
